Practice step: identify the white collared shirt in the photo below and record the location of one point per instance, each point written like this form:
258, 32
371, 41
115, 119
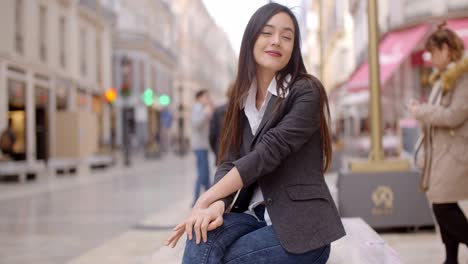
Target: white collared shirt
255, 117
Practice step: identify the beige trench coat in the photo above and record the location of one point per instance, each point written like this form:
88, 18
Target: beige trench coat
445, 171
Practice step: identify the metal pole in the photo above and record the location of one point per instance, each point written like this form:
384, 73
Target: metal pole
376, 152
181, 122
126, 137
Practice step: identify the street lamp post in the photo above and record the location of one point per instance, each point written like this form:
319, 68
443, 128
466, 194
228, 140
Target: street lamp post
376, 152
376, 161
126, 74
181, 122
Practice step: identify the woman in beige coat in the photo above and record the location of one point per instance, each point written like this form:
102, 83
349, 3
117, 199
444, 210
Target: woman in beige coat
445, 120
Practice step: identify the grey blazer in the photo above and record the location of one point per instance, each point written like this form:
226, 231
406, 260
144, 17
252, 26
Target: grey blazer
285, 159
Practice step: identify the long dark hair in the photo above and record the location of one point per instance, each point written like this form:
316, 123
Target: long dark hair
231, 138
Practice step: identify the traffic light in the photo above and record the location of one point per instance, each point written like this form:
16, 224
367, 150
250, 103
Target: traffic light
148, 95
110, 95
125, 89
164, 100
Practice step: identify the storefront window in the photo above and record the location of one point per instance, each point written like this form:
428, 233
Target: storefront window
42, 96
97, 104
17, 114
16, 94
62, 92
41, 122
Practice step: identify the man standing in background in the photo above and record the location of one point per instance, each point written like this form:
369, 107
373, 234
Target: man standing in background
216, 124
201, 116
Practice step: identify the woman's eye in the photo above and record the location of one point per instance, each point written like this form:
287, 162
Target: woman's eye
266, 33
287, 38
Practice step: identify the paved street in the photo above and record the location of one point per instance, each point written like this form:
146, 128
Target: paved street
123, 216
54, 221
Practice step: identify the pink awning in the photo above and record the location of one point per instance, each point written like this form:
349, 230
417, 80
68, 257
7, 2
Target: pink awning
460, 26
393, 50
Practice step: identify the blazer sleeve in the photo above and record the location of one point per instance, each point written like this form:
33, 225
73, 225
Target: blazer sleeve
224, 167
294, 129
453, 115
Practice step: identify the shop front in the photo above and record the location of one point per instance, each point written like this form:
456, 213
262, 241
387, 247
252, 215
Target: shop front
17, 115
29, 108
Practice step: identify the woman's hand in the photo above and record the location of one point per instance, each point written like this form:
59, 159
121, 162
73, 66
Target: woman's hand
200, 221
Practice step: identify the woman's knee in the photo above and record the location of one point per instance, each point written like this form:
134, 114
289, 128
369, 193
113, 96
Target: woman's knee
233, 224
218, 240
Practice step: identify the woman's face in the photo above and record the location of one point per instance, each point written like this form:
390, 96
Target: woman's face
440, 57
275, 43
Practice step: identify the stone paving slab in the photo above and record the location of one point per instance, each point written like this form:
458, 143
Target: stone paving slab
144, 243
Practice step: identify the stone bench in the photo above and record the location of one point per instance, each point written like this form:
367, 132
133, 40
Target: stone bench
22, 169
100, 161
61, 166
361, 245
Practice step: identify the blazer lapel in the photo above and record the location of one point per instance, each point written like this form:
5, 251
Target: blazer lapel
246, 135
266, 117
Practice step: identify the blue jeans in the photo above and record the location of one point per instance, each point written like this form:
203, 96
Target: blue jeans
242, 239
203, 172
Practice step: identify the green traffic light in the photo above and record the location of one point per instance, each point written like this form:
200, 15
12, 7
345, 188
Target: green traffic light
148, 97
164, 100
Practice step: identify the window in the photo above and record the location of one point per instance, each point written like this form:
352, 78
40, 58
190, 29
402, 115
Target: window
19, 46
42, 33
62, 43
83, 51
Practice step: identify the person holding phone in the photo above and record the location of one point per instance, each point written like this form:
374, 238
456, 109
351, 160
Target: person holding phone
445, 138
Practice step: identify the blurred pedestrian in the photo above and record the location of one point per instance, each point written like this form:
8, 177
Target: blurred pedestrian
7, 141
274, 151
216, 124
201, 116
445, 139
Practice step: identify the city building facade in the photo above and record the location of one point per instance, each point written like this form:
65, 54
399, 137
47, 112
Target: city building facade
54, 57
144, 62
206, 60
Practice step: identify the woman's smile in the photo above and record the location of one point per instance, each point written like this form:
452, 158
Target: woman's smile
274, 53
